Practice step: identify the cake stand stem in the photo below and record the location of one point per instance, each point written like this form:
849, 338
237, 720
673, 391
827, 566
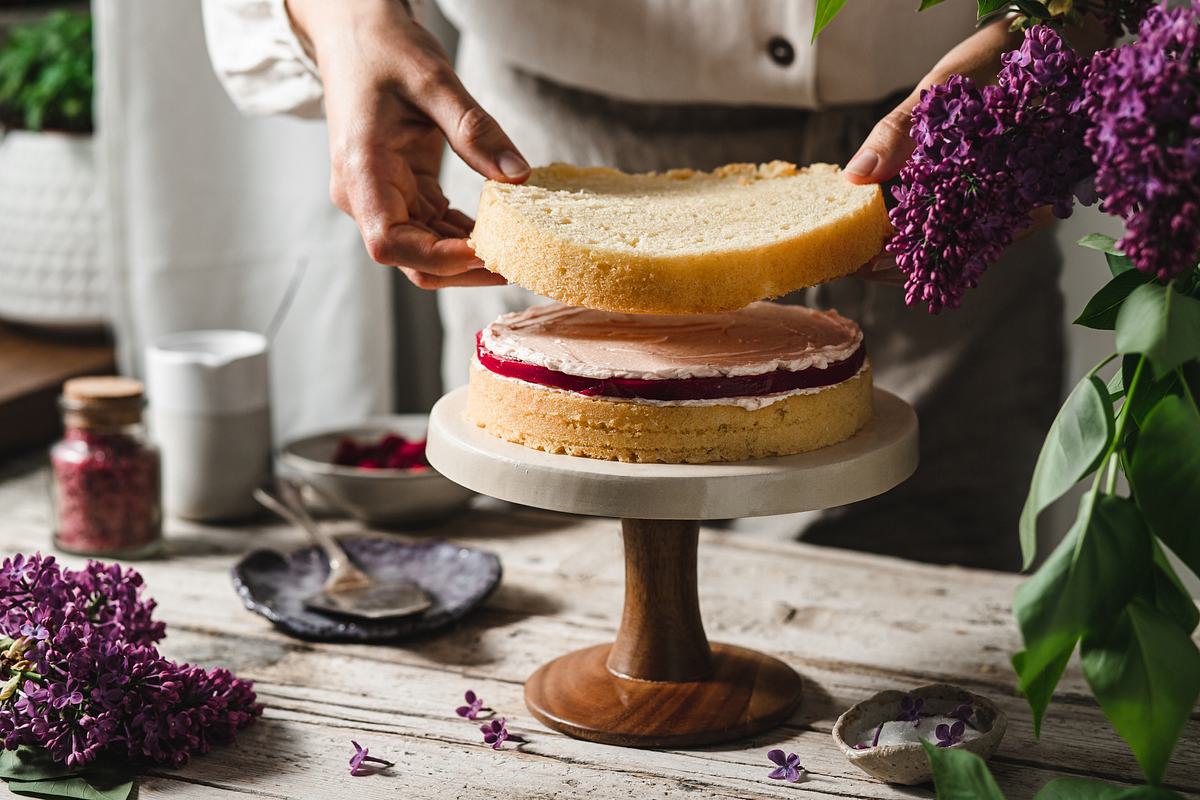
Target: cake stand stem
661, 637
661, 684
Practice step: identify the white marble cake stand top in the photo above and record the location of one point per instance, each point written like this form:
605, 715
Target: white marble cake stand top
871, 462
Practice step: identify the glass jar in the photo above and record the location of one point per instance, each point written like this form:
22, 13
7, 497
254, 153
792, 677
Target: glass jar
106, 484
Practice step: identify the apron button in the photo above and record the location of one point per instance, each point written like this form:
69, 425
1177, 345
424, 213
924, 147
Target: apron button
781, 51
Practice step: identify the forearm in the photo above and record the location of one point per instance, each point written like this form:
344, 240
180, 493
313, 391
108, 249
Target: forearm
329, 29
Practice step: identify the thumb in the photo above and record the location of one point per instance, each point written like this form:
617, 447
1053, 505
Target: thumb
886, 148
473, 133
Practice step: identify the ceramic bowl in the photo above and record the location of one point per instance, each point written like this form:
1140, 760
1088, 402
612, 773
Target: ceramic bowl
385, 497
457, 579
907, 763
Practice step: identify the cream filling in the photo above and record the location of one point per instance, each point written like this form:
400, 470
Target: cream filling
750, 403
762, 337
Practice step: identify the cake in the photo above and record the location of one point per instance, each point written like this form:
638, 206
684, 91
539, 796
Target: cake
677, 242
765, 380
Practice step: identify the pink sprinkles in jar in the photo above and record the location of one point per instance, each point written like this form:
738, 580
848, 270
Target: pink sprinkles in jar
106, 474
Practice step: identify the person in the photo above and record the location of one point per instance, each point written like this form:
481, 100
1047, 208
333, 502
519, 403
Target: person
652, 84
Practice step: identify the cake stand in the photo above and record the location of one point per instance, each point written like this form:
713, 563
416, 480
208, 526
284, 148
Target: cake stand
661, 683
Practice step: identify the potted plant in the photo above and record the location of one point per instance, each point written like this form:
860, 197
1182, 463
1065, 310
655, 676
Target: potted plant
50, 268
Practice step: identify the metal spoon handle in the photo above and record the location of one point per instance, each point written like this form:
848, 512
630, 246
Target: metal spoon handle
290, 506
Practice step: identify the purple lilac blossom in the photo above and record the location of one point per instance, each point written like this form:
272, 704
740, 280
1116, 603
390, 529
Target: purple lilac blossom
363, 755
787, 767
473, 708
496, 733
964, 712
1143, 104
984, 159
949, 735
910, 710
91, 680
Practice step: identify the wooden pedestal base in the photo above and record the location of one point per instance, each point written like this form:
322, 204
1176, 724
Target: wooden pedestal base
660, 684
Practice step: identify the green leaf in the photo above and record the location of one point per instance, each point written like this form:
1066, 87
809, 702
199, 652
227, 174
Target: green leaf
1117, 264
826, 11
985, 7
1168, 594
1145, 673
1077, 439
1084, 583
1098, 241
1150, 392
74, 787
1039, 689
960, 774
1165, 475
1116, 385
1100, 312
28, 764
1084, 789
1161, 323
929, 4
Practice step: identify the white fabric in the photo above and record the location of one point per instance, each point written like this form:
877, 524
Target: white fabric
664, 51
210, 212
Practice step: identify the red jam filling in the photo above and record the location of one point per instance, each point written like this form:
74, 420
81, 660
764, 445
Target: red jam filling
674, 388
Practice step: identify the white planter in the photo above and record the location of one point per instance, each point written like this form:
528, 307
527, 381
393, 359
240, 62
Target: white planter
50, 267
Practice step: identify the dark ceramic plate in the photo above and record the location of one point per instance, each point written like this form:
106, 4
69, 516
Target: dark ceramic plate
456, 578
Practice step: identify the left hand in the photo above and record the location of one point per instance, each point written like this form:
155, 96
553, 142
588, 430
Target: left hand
888, 145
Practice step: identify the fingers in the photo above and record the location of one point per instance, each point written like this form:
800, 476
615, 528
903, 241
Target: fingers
475, 277
471, 131
419, 247
881, 269
886, 148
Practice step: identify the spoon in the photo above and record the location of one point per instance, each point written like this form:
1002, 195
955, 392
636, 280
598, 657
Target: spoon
348, 591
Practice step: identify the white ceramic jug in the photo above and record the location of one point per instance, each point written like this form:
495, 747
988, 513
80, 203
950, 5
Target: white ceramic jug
210, 413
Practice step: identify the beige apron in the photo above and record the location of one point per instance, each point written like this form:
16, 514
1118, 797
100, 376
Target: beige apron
985, 379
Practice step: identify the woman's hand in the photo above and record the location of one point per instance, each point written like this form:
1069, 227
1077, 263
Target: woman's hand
392, 101
889, 145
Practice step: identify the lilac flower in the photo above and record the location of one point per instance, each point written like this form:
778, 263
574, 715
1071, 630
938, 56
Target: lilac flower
788, 768
80, 646
361, 755
910, 710
473, 708
964, 712
985, 158
949, 735
874, 741
1143, 104
496, 733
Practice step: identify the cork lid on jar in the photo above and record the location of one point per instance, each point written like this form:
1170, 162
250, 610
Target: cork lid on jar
102, 402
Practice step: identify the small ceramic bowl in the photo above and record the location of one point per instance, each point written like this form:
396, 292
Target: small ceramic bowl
386, 497
907, 763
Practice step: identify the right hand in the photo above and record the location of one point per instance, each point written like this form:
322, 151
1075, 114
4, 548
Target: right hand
392, 101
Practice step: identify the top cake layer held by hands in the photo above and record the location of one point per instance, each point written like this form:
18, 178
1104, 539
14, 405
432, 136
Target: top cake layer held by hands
680, 241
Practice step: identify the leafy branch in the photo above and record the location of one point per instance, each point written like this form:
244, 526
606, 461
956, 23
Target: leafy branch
46, 79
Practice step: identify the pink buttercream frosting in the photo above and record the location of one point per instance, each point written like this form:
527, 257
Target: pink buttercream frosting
760, 338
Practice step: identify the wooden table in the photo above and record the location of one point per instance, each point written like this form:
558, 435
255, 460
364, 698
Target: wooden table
851, 624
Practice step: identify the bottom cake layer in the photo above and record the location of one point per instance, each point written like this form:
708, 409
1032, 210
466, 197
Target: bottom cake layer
558, 421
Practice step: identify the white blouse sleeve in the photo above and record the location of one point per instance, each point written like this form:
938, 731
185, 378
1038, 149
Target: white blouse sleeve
260, 59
